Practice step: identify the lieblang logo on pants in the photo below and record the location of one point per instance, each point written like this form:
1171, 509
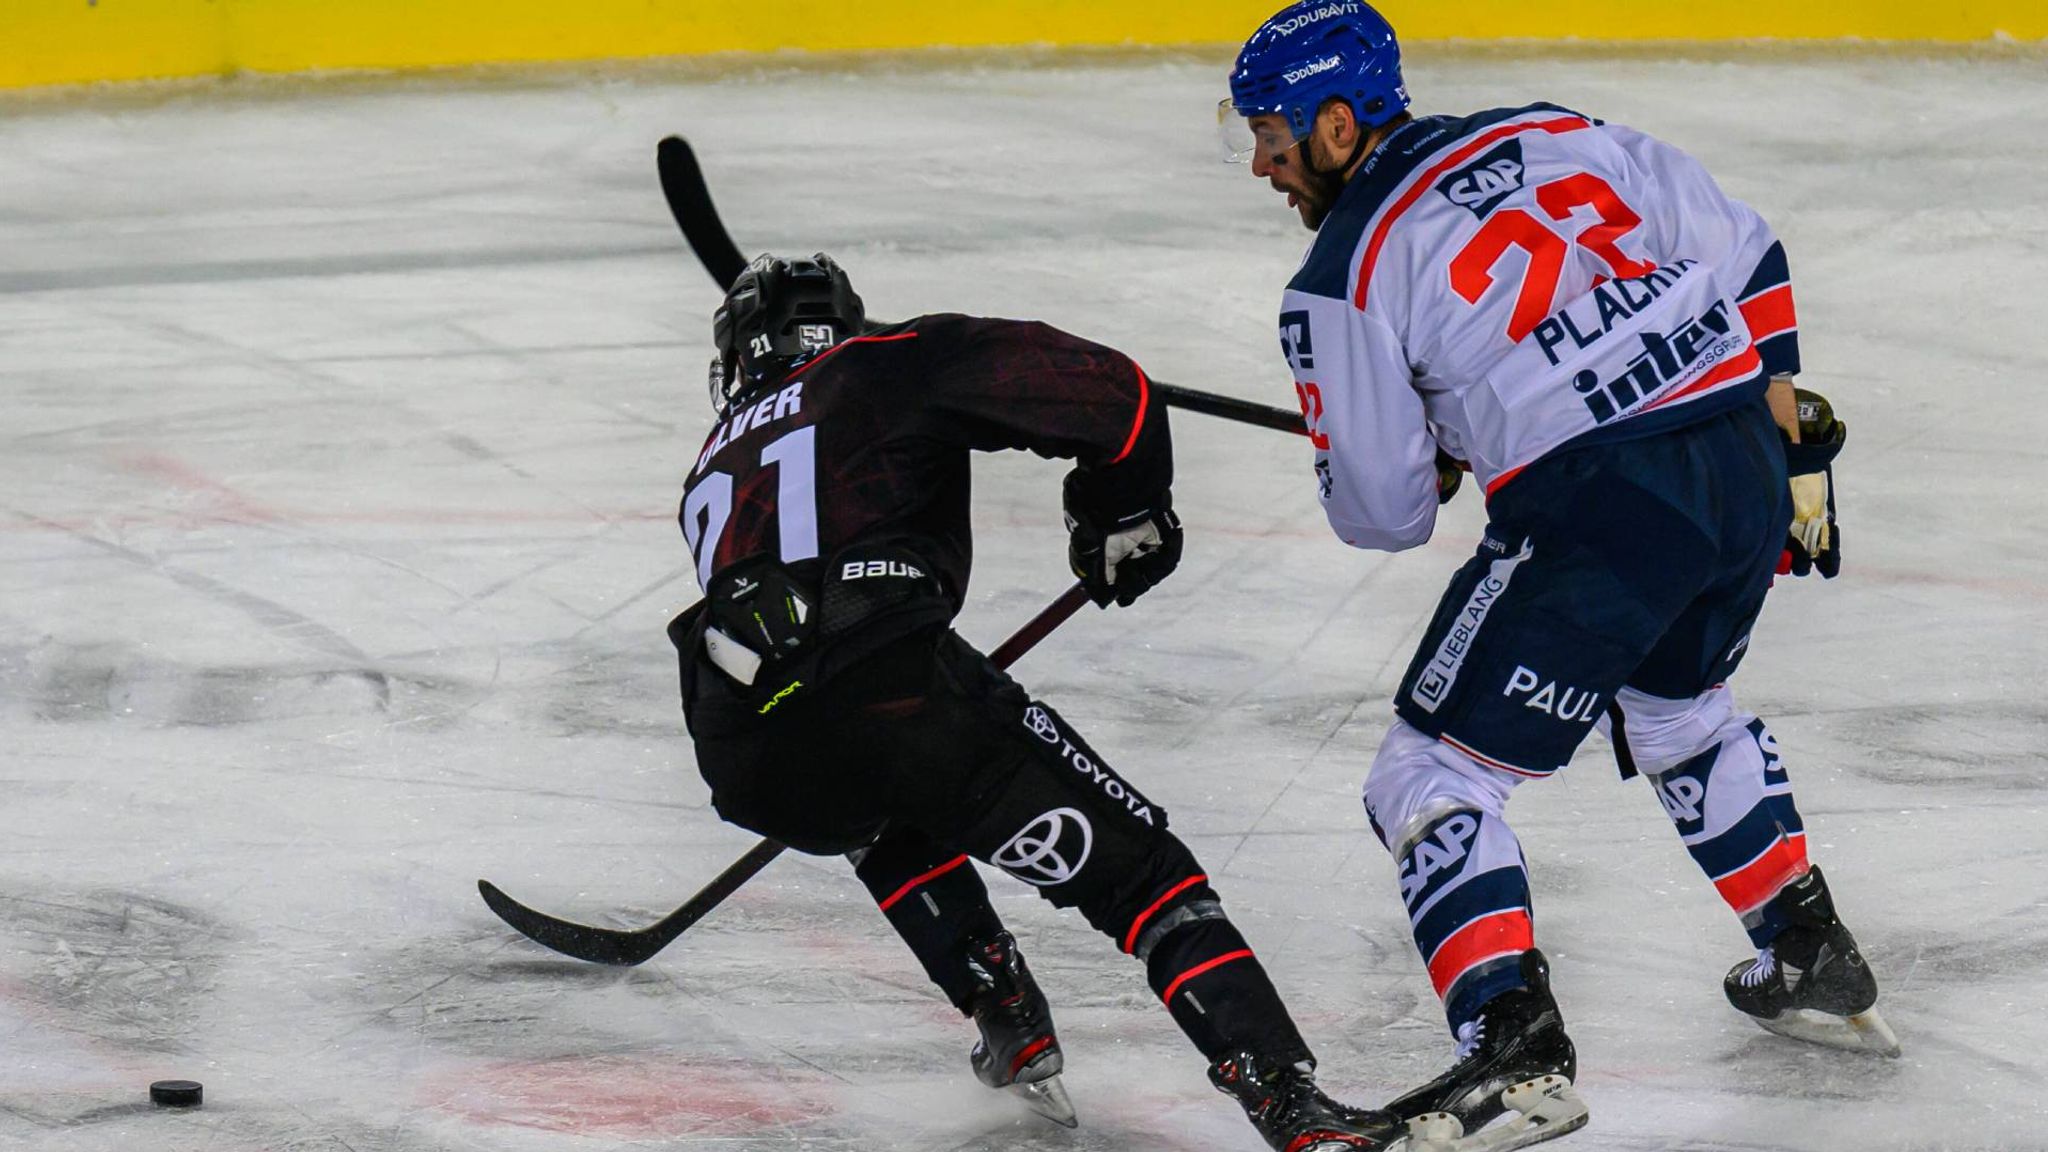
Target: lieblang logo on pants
1052, 849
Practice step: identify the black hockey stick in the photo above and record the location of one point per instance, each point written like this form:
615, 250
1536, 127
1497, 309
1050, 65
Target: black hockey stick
689, 201
632, 946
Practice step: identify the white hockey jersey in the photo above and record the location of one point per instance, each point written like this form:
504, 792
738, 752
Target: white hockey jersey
1508, 283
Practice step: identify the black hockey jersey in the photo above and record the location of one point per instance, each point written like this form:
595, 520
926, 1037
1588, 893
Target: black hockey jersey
868, 444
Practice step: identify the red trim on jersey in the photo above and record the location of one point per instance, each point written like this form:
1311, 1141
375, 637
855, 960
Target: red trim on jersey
1770, 313
1490, 762
1144, 399
1429, 179
827, 353
1751, 886
1491, 936
1131, 937
918, 882
1166, 997
1501, 481
1741, 368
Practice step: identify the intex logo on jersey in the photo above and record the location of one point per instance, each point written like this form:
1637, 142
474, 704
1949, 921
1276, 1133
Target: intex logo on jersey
1042, 725
1052, 849
1315, 69
1665, 362
1574, 705
869, 569
1484, 183
1437, 856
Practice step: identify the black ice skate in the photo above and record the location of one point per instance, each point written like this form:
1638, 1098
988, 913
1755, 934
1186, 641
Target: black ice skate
1811, 983
1018, 1050
1514, 1058
1293, 1114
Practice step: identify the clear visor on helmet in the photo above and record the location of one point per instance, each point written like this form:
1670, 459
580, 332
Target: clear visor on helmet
1244, 139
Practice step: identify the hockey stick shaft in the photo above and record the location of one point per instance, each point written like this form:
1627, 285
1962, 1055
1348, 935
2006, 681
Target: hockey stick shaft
633, 946
689, 201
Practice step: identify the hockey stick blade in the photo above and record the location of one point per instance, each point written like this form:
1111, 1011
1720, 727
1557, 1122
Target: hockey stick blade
689, 201
626, 947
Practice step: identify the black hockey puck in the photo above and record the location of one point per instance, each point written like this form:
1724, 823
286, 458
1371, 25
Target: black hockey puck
175, 1093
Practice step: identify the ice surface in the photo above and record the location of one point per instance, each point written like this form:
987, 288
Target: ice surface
343, 429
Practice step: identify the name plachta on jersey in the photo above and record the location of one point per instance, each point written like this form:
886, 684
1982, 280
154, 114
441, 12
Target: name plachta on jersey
1482, 185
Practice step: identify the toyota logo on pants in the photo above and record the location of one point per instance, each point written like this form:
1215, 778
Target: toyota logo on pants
1050, 850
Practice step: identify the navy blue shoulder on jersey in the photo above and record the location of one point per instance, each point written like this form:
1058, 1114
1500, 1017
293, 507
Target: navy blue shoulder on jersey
1327, 269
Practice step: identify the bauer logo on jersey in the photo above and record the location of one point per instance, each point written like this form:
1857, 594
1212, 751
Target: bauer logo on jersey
1665, 362
1484, 183
1052, 849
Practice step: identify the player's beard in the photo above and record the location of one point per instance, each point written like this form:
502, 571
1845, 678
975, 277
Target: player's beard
1316, 196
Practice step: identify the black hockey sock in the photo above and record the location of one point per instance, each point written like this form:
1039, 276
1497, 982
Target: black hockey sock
1220, 995
935, 903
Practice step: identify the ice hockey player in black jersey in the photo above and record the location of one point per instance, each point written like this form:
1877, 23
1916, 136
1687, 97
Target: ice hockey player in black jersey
834, 709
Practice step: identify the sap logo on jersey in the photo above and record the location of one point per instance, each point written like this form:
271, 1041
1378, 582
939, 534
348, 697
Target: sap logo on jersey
1665, 362
1484, 183
1569, 704
1436, 856
1050, 850
1041, 724
1296, 343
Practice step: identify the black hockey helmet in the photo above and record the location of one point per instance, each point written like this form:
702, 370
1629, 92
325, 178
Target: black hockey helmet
782, 311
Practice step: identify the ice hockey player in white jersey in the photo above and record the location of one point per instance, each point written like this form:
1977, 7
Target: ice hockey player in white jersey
1576, 311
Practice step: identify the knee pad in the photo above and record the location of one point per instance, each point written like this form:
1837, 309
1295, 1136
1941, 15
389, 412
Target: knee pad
1660, 734
1416, 781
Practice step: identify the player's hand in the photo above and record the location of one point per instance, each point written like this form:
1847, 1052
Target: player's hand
1119, 556
1815, 543
1450, 475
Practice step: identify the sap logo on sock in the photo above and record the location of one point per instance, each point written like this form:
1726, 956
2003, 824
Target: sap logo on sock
867, 569
1052, 849
1440, 854
1681, 796
1484, 183
1568, 704
1041, 724
1774, 764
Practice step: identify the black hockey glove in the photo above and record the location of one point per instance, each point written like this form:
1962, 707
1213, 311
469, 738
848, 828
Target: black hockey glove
1815, 543
1450, 475
1118, 553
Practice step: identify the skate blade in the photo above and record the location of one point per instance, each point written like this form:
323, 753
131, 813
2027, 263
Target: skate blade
1864, 1032
1539, 1110
1048, 1098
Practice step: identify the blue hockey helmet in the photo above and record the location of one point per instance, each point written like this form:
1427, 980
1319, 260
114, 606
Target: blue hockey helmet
1307, 53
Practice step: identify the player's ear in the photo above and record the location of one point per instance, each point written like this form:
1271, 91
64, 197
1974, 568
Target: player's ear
1338, 125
